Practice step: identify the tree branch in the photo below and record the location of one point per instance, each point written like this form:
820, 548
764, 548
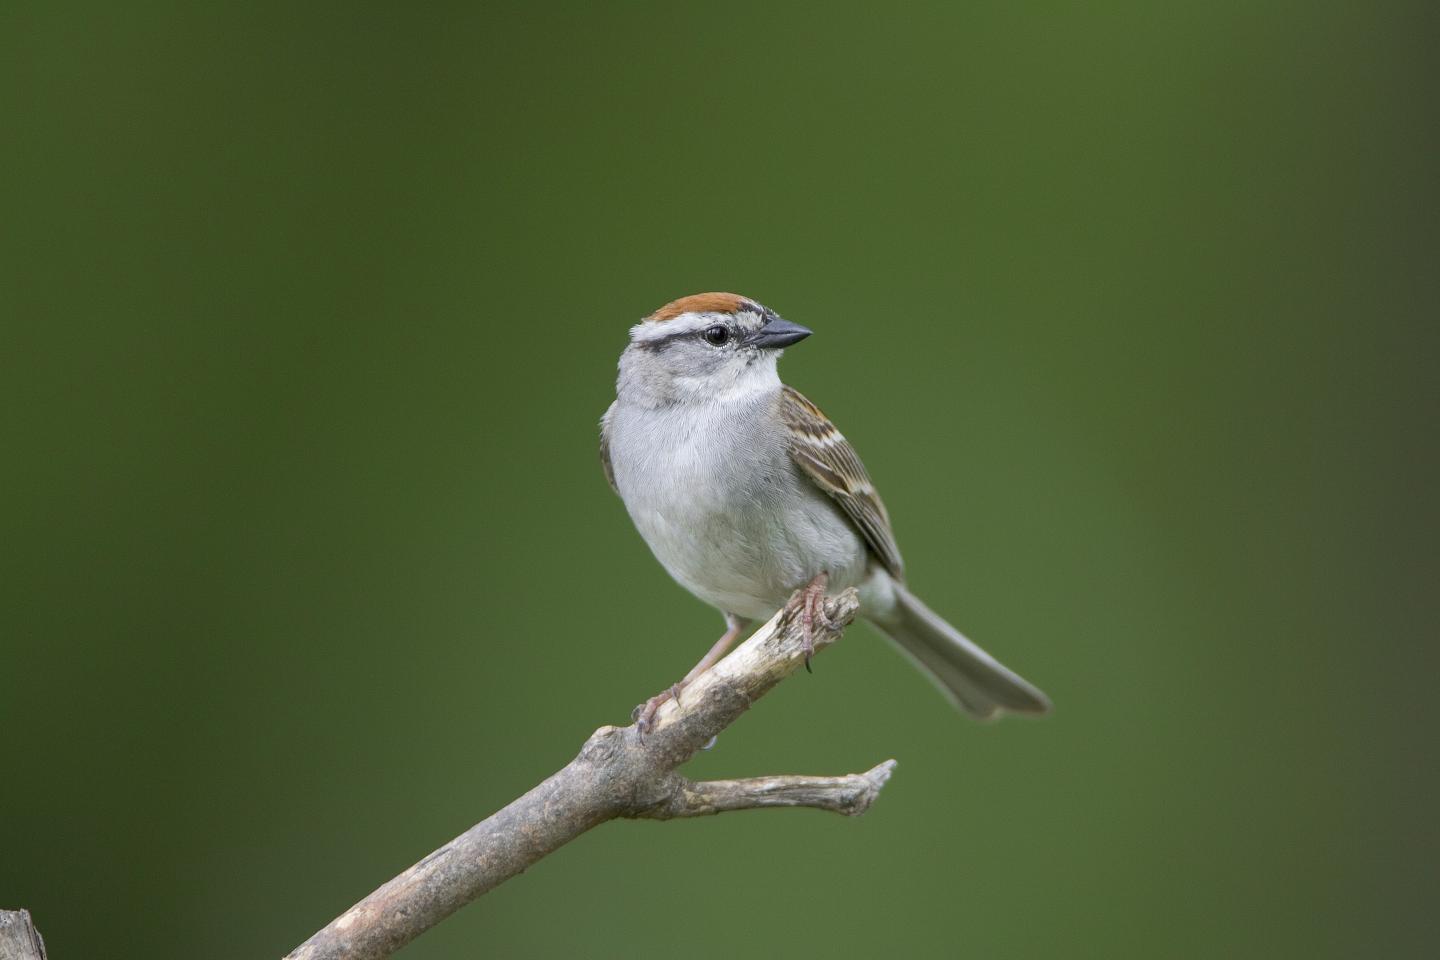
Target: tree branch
19, 940
617, 774
851, 794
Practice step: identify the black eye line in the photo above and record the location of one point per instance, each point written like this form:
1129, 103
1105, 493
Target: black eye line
659, 344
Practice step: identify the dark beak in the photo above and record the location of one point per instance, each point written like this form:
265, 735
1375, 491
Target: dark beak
777, 333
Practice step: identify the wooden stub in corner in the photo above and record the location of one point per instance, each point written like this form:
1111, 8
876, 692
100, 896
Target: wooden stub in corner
18, 938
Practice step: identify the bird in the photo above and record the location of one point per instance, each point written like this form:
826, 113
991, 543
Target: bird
746, 492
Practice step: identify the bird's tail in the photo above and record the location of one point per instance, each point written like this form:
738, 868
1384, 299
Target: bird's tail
969, 676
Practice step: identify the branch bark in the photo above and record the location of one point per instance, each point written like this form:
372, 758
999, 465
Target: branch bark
616, 775
19, 940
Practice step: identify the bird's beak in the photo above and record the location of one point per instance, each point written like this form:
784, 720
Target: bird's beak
777, 333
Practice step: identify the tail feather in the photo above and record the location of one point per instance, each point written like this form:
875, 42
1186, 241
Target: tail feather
970, 677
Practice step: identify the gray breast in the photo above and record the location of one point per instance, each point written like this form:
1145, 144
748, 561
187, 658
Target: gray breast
714, 493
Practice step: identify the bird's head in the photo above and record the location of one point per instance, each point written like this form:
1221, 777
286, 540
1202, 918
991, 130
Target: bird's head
706, 346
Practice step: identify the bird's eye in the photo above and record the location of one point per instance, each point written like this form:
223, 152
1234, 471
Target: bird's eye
717, 335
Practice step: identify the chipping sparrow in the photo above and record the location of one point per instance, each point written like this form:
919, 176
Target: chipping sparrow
745, 492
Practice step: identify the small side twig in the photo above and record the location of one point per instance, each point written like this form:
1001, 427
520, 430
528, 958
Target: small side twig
851, 794
616, 775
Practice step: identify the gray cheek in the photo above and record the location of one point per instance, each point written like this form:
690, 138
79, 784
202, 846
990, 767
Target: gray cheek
692, 359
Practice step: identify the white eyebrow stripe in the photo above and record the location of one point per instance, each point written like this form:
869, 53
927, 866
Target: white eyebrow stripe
685, 323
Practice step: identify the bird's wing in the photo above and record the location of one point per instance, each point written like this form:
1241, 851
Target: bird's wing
605, 463
828, 459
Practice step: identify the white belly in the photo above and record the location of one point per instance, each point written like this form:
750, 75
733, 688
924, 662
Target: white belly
723, 507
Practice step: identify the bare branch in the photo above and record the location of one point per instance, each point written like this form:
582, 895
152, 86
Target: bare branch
617, 774
851, 794
19, 940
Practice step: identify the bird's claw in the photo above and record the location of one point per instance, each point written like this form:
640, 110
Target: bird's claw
643, 716
812, 608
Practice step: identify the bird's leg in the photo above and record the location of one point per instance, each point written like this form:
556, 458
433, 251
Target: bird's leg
644, 715
812, 607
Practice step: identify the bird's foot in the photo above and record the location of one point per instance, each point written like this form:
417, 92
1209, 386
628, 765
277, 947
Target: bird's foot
812, 608
643, 715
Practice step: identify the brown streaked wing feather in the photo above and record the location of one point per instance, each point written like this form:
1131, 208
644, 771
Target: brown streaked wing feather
828, 459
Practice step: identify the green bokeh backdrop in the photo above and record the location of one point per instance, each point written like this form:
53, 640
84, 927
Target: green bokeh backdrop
308, 312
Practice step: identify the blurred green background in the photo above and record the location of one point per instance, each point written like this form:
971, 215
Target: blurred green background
306, 561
